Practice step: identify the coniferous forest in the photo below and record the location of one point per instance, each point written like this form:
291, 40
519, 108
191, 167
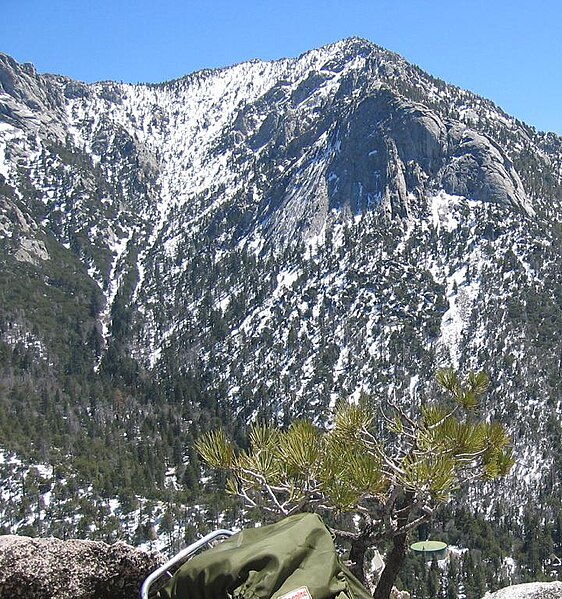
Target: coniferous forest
256, 244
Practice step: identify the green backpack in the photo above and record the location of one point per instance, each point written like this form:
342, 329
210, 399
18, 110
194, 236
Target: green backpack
292, 559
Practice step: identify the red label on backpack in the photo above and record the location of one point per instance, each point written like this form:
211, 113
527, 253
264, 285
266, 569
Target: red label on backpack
300, 593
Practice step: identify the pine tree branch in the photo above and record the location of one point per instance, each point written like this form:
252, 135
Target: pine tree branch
468, 457
254, 477
306, 500
413, 425
250, 503
440, 422
394, 468
412, 525
346, 535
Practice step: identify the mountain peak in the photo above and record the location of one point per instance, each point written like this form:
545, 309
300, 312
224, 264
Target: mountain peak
262, 241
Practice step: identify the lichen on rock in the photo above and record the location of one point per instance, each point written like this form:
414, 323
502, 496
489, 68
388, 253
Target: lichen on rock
74, 569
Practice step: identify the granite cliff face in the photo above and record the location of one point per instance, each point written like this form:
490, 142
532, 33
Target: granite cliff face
29, 101
258, 242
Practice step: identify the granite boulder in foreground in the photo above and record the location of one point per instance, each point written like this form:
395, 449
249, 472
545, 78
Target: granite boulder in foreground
531, 590
75, 569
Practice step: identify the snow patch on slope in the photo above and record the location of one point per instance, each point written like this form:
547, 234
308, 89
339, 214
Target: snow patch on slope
461, 295
442, 211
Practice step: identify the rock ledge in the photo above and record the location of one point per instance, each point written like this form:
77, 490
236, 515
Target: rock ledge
75, 569
531, 590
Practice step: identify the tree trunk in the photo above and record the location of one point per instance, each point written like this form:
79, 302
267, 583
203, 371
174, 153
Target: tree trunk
357, 559
394, 561
397, 555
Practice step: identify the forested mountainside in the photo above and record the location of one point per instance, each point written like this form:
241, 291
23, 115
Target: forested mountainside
258, 242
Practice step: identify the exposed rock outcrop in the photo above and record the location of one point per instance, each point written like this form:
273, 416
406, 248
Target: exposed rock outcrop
55, 569
29, 100
532, 590
478, 169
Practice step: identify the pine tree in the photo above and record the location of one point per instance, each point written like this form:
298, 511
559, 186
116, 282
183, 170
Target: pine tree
390, 471
434, 580
452, 578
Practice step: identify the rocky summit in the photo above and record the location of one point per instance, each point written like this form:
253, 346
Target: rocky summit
259, 242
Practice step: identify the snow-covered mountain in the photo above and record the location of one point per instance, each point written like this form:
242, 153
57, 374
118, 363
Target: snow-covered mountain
262, 240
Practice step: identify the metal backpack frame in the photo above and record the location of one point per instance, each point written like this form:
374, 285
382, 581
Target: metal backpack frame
183, 555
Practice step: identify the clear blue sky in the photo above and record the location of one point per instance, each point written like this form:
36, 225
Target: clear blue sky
508, 51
